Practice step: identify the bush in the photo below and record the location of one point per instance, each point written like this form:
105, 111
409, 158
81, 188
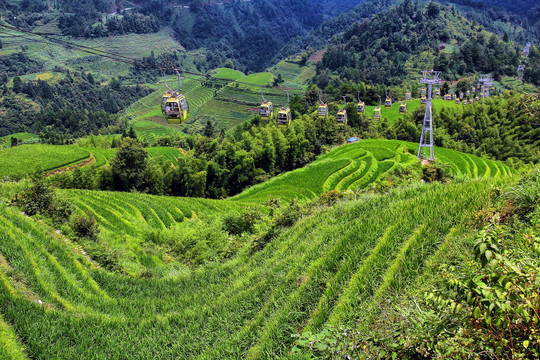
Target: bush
436, 171
236, 224
85, 227
39, 198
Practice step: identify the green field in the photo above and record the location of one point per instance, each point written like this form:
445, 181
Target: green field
24, 159
330, 268
355, 166
25, 138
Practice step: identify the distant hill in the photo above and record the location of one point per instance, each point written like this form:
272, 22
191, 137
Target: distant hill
408, 38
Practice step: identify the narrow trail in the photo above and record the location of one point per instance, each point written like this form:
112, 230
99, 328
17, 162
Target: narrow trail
72, 167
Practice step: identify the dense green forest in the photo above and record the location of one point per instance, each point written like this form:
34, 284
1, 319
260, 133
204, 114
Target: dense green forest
382, 49
74, 106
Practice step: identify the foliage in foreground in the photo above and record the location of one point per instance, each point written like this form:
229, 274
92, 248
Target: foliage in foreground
485, 308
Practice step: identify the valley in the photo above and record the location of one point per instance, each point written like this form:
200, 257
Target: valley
150, 207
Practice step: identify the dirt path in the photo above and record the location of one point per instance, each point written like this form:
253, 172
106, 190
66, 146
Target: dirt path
72, 167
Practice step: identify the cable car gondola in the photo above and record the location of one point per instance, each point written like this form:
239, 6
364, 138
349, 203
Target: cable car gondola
423, 91
176, 106
266, 110
323, 108
377, 111
408, 95
403, 107
437, 92
341, 117
284, 114
168, 94
461, 96
360, 107
388, 101
423, 100
468, 93
447, 97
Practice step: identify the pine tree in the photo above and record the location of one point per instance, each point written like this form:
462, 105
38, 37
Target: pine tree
209, 129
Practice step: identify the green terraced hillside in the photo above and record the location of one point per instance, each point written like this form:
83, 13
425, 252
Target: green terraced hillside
230, 105
357, 165
334, 267
23, 160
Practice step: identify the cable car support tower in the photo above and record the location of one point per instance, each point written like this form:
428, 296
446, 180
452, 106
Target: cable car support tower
521, 69
430, 78
486, 81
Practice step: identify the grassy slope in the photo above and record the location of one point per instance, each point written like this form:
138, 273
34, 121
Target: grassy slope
325, 269
23, 159
355, 166
229, 106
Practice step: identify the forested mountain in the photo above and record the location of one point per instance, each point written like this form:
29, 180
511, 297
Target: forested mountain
75, 105
408, 38
248, 32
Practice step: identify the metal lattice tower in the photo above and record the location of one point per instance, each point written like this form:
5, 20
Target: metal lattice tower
486, 81
521, 69
429, 78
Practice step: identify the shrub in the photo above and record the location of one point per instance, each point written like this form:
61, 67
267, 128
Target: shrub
85, 227
39, 198
236, 224
436, 171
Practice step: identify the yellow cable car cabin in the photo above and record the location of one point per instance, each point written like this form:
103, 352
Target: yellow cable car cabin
447, 97
461, 95
423, 100
468, 93
323, 111
377, 113
464, 102
266, 111
437, 92
177, 109
423, 91
341, 117
361, 107
477, 99
284, 116
388, 102
408, 95
457, 101
164, 99
403, 107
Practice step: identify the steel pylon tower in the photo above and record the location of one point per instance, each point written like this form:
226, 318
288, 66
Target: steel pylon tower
486, 81
430, 78
521, 69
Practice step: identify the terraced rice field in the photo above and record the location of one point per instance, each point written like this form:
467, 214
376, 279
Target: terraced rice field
131, 213
25, 138
392, 113
355, 166
148, 131
24, 159
294, 75
332, 268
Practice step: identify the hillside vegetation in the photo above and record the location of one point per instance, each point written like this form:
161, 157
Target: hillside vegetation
327, 269
359, 165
